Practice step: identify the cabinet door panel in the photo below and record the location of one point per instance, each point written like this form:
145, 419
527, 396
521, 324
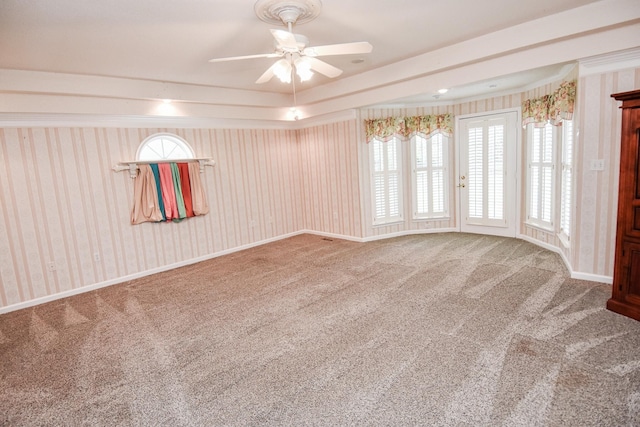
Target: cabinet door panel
632, 266
630, 172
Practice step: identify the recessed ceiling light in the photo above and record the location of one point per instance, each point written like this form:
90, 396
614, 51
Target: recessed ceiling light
357, 61
166, 101
443, 90
493, 86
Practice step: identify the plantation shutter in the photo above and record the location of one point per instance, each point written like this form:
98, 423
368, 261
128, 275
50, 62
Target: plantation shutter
430, 160
541, 175
486, 172
567, 170
495, 173
386, 181
476, 172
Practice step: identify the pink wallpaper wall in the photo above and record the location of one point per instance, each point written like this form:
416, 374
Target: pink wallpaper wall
329, 163
62, 204
599, 124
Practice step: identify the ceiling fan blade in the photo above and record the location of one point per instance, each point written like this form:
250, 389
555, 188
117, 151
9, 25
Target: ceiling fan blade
267, 75
339, 49
235, 58
324, 68
285, 39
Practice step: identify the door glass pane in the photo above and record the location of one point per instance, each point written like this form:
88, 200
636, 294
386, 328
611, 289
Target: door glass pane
495, 172
475, 178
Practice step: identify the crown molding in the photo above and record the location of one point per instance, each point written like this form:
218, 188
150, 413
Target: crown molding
614, 61
35, 120
110, 121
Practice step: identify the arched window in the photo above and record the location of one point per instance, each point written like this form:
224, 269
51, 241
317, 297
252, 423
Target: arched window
164, 146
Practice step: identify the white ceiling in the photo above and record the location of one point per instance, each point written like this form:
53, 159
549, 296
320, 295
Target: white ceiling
160, 49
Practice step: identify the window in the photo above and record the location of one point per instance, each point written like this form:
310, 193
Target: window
565, 186
541, 182
164, 146
386, 179
429, 158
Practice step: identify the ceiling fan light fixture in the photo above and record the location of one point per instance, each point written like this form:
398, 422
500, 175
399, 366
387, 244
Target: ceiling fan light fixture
303, 68
282, 70
304, 74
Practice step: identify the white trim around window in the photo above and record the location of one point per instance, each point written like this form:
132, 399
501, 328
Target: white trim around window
386, 180
430, 176
541, 175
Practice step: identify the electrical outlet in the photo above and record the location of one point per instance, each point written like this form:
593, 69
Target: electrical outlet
51, 266
96, 257
597, 165
252, 223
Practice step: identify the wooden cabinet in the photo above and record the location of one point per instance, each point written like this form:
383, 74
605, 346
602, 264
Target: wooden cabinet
625, 297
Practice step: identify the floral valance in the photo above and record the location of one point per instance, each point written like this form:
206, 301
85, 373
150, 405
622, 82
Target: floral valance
553, 108
405, 127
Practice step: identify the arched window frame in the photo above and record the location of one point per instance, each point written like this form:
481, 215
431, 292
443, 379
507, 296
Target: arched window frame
163, 138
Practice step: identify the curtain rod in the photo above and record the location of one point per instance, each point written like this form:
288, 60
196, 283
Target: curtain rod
132, 166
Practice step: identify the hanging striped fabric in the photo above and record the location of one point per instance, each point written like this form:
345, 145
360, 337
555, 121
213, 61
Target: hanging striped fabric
168, 192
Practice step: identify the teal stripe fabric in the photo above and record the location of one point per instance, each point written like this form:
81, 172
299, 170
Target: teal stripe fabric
175, 173
156, 175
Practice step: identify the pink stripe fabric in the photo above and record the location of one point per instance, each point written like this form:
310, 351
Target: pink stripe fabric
168, 191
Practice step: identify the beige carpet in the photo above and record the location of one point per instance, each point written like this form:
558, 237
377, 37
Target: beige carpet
438, 330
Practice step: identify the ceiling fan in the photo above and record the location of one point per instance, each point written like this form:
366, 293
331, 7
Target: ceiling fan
293, 49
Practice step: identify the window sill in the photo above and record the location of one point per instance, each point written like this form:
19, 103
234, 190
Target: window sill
539, 227
386, 224
431, 218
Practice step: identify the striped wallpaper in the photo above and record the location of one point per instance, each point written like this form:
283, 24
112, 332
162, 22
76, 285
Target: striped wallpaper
61, 205
599, 123
329, 162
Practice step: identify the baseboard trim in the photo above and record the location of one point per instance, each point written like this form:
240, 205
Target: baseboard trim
333, 235
574, 274
592, 277
409, 233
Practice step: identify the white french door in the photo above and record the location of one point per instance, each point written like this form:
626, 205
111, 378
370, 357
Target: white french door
487, 174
